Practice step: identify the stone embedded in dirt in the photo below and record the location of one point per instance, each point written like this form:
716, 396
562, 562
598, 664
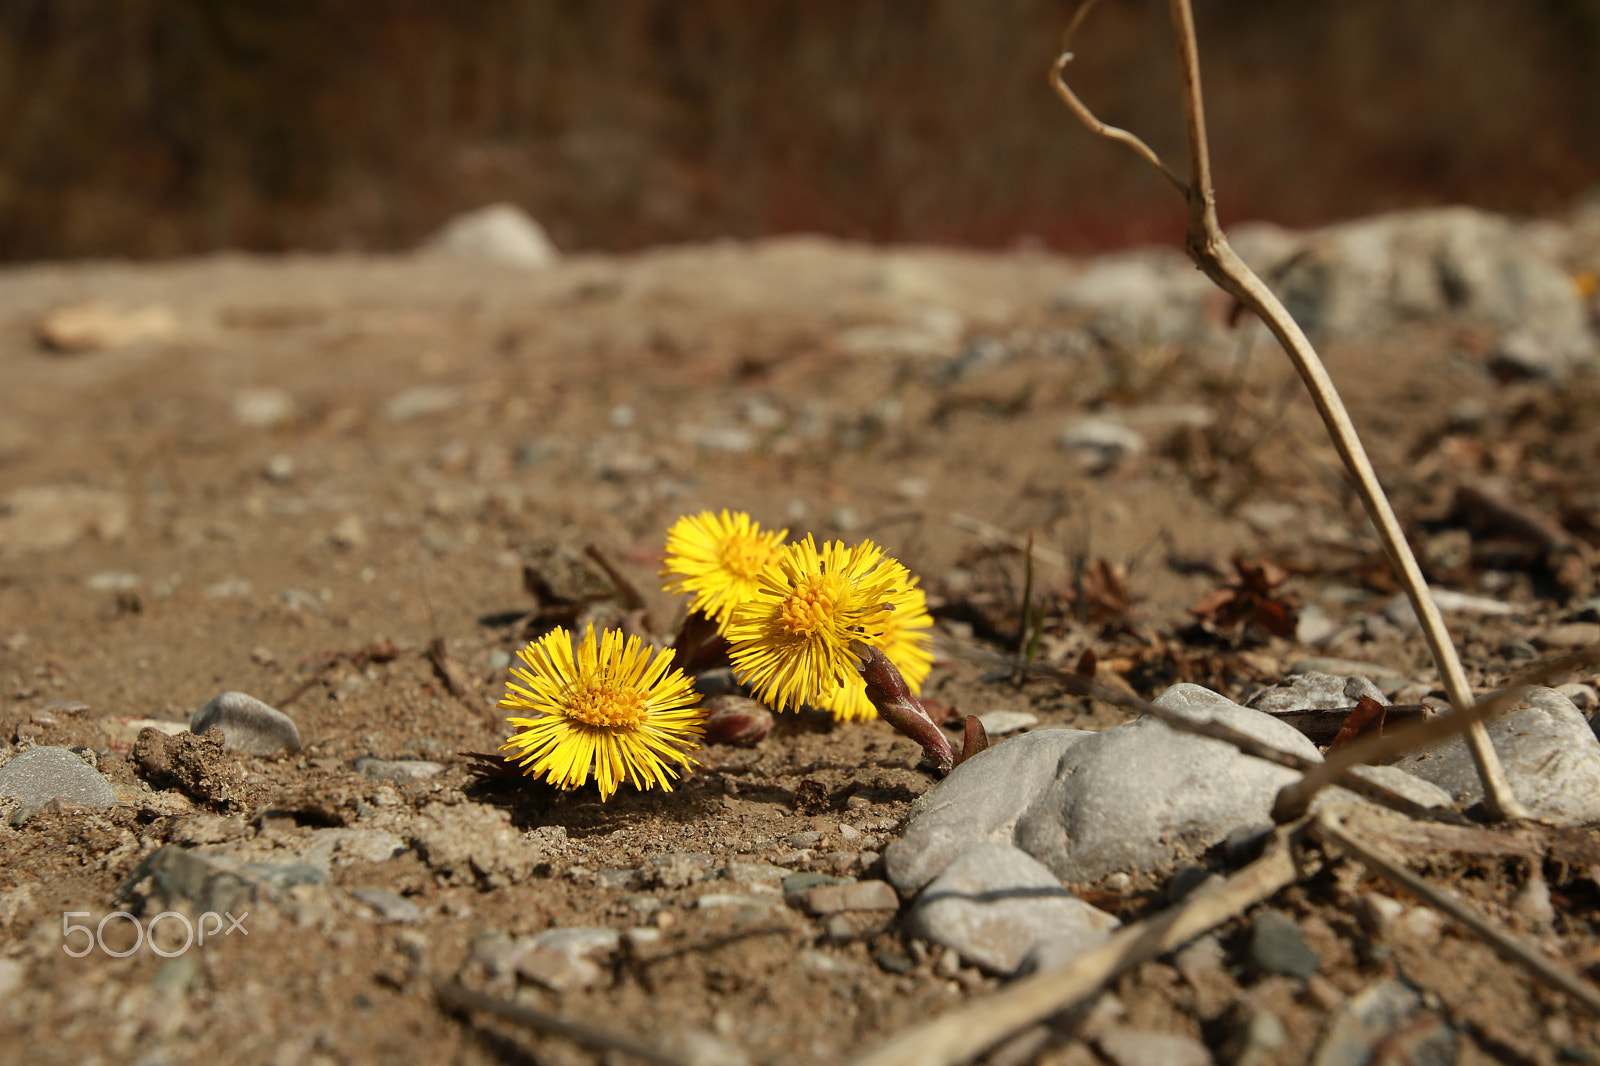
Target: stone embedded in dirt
333, 846
854, 896
497, 233
999, 723
195, 765
1134, 798
1378, 1015
247, 724
1140, 1047
47, 517
42, 774
736, 720
214, 882
563, 960
678, 869
1309, 690
1277, 946
1101, 444
1367, 275
388, 905
796, 885
995, 904
397, 771
1548, 750
469, 843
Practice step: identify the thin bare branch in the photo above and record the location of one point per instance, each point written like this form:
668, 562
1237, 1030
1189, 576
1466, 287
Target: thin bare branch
960, 1035
1109, 132
1504, 944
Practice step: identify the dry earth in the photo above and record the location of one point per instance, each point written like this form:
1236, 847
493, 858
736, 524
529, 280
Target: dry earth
315, 468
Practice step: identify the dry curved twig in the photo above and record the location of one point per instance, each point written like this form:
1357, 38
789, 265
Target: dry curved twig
1209, 248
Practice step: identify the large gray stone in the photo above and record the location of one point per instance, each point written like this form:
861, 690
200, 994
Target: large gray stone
979, 802
247, 724
1549, 753
1143, 795
995, 905
1136, 798
40, 775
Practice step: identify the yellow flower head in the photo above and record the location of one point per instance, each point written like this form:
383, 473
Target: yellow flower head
612, 708
717, 557
791, 640
904, 639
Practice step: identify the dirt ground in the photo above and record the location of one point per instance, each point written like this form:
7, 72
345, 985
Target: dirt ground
322, 467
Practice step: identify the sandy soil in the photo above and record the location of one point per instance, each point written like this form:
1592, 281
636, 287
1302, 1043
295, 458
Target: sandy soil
326, 465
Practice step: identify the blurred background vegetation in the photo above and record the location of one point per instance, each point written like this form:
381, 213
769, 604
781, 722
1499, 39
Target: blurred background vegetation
163, 127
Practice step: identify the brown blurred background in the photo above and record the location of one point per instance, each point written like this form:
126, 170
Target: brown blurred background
161, 127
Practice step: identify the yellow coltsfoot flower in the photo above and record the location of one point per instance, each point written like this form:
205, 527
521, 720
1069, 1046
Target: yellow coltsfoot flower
791, 639
717, 557
613, 709
903, 637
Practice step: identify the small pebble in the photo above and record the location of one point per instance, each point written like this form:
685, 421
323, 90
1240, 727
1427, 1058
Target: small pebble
397, 771
795, 884
857, 896
247, 724
390, 906
1138, 1047
1277, 946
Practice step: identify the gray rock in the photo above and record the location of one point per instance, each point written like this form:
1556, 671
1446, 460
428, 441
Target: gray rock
796, 885
1276, 946
247, 724
1312, 691
469, 843
1392, 778
338, 846
1362, 277
853, 896
498, 233
397, 771
1550, 755
980, 801
1400, 612
42, 774
679, 868
214, 882
1101, 444
999, 723
389, 906
1141, 299
1142, 795
995, 905
1366, 1019
566, 959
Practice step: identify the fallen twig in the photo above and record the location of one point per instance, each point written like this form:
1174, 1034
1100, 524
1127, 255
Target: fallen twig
1507, 946
960, 1035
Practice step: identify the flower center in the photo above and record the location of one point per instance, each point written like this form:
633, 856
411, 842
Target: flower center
606, 707
812, 606
745, 556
